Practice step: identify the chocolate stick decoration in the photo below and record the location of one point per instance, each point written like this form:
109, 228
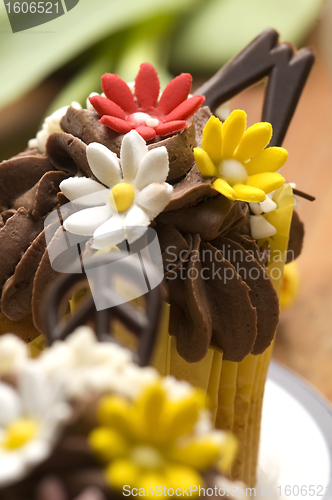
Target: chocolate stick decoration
304, 195
287, 72
144, 325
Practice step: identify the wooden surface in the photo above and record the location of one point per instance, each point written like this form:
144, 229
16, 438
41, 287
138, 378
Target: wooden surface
304, 339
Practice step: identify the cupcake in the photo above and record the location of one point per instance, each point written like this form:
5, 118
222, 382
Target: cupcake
84, 421
208, 189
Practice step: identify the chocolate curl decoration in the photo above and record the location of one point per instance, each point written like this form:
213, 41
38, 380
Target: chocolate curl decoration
144, 325
287, 72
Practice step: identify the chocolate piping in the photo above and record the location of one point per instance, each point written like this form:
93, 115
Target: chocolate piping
21, 229
262, 293
306, 196
16, 300
19, 174
287, 72
143, 325
67, 153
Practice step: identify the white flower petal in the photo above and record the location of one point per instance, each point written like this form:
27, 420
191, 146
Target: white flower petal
88, 103
133, 150
34, 390
104, 164
12, 467
136, 222
86, 221
256, 208
266, 206
10, 405
260, 227
153, 168
13, 353
154, 198
84, 191
35, 452
110, 233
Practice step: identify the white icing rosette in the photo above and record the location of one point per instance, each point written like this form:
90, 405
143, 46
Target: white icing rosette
50, 126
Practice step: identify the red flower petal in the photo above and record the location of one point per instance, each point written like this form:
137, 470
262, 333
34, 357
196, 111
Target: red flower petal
147, 86
176, 91
105, 106
169, 128
116, 124
186, 109
148, 133
118, 91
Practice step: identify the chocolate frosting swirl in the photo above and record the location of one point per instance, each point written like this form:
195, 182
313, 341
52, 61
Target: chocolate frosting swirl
211, 274
84, 124
19, 174
20, 230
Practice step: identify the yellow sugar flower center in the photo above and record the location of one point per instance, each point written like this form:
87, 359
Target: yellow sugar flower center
233, 172
146, 457
19, 433
122, 196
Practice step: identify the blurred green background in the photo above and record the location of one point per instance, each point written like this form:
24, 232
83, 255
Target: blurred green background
53, 64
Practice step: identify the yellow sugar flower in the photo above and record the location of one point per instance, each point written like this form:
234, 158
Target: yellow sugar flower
153, 441
290, 285
243, 167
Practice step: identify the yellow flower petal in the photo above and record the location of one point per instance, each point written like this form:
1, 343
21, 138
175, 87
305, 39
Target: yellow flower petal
180, 417
113, 412
122, 472
204, 163
182, 477
107, 444
248, 193
268, 160
151, 480
232, 132
147, 411
200, 453
229, 449
254, 140
267, 181
224, 188
211, 143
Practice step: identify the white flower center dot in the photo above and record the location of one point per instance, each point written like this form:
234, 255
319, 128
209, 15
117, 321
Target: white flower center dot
152, 122
233, 172
138, 118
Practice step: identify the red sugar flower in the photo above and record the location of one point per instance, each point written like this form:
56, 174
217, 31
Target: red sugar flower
122, 111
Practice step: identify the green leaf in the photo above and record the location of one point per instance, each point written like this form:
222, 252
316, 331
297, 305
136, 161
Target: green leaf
219, 29
83, 83
122, 53
29, 56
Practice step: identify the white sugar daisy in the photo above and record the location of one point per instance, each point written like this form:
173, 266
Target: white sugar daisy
125, 199
31, 416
